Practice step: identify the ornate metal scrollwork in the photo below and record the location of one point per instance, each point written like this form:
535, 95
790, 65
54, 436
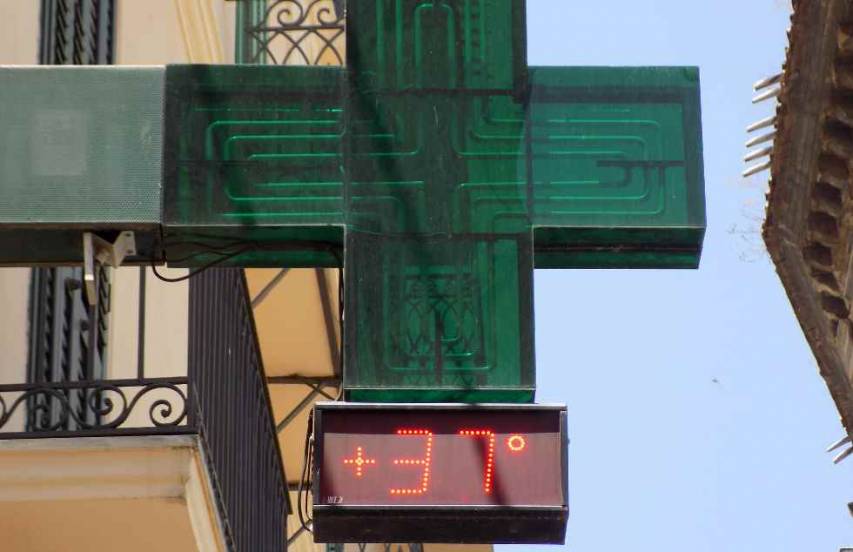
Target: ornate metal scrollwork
96, 405
301, 32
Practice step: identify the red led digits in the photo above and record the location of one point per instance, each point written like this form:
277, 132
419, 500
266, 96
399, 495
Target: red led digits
516, 443
425, 461
359, 461
489, 435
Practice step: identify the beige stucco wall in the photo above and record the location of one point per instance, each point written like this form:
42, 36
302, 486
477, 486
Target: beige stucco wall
150, 31
123, 327
14, 307
165, 328
166, 318
19, 21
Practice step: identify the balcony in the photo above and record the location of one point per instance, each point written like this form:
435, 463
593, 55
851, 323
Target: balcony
153, 461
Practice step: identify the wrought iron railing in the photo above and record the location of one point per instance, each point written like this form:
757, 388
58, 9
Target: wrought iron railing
223, 399
231, 408
291, 32
95, 408
58, 403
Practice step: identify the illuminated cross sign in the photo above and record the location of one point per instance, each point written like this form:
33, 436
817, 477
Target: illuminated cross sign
438, 169
440, 473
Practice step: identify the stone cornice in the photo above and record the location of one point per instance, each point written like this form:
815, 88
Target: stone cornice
810, 200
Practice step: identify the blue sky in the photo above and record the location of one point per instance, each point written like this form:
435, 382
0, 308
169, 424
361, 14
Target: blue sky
661, 457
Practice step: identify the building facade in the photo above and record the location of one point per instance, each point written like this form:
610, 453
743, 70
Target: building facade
171, 415
808, 224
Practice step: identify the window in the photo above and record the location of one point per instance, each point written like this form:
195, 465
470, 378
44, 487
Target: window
68, 343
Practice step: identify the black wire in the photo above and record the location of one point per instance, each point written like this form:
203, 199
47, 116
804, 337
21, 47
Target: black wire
299, 490
341, 328
247, 246
305, 518
306, 459
208, 250
224, 243
309, 518
211, 264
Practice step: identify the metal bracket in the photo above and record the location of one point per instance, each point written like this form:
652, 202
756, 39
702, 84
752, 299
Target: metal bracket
97, 250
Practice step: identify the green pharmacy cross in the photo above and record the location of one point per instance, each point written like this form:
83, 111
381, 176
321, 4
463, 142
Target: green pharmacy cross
438, 169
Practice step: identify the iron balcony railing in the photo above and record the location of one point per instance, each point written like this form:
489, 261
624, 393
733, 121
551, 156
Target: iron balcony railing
223, 400
233, 413
291, 32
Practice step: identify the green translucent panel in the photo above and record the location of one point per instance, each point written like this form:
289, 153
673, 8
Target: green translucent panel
617, 167
439, 319
429, 169
438, 258
80, 149
488, 138
442, 195
80, 146
255, 154
443, 165
434, 163
389, 159
436, 44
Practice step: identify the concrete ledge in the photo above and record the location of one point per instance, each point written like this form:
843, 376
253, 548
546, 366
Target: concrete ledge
112, 470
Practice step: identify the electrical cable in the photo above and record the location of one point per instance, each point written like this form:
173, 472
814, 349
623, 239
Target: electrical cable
207, 249
341, 328
209, 265
306, 460
247, 246
308, 517
310, 470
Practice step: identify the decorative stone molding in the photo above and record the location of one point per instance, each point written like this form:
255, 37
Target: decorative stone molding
809, 225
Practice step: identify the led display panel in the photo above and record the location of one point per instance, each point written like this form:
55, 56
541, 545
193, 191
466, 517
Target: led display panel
440, 473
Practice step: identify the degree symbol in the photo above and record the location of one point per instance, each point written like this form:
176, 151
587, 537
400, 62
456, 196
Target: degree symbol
516, 443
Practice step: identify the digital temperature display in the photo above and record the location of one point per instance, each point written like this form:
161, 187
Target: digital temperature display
404, 457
